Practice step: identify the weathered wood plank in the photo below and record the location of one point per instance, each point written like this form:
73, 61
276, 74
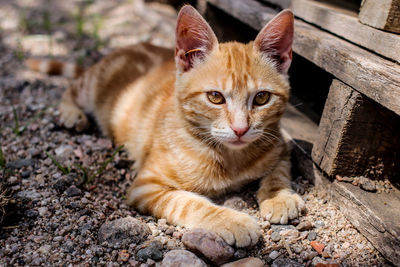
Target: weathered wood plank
381, 14
280, 3
366, 72
356, 136
376, 216
344, 23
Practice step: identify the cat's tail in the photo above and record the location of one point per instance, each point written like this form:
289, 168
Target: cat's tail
54, 67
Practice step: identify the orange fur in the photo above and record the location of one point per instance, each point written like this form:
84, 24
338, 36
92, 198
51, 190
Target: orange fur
179, 139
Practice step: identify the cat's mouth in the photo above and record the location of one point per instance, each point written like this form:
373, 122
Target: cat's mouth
237, 144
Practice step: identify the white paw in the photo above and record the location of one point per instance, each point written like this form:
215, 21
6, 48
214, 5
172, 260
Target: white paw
72, 117
284, 206
236, 228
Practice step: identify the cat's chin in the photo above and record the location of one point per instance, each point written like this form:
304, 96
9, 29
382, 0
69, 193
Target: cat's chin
236, 145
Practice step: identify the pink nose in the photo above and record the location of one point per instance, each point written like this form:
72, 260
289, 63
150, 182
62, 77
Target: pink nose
240, 131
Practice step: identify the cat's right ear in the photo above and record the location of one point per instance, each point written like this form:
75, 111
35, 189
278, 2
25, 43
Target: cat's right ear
194, 38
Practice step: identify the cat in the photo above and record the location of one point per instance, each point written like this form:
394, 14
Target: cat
199, 122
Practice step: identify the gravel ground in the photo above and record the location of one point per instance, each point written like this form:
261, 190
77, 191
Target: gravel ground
65, 190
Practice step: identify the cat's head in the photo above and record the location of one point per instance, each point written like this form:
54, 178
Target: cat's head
231, 94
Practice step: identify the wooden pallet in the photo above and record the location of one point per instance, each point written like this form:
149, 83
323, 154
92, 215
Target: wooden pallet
359, 130
380, 14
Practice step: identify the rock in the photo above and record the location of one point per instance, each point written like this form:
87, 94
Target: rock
281, 227
211, 245
73, 191
286, 262
123, 255
344, 179
181, 258
124, 231
312, 236
317, 260
308, 255
247, 262
304, 226
151, 251
45, 249
42, 211
367, 184
290, 235
18, 164
239, 254
31, 213
25, 174
28, 195
319, 247
328, 265
319, 224
275, 236
236, 203
274, 254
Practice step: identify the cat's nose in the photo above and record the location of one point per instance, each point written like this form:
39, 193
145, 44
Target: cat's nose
240, 131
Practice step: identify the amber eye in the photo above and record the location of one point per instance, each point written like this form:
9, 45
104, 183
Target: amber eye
216, 97
261, 98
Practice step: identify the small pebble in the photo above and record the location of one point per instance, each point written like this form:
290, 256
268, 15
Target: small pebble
275, 236
312, 236
274, 254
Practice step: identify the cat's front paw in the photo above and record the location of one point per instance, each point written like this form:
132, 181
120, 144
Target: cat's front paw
236, 228
285, 205
72, 117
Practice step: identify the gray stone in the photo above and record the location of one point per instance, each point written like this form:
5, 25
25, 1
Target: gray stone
317, 260
285, 262
239, 254
275, 236
18, 164
124, 231
312, 236
281, 227
319, 224
274, 254
151, 251
367, 184
304, 226
73, 191
246, 262
181, 258
28, 194
211, 245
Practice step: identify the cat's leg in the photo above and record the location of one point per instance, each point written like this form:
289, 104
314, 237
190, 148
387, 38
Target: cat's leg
277, 201
71, 116
191, 210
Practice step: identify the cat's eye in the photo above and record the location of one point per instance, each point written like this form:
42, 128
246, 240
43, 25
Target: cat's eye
215, 97
261, 98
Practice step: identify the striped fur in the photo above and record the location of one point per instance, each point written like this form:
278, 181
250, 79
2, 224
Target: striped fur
181, 141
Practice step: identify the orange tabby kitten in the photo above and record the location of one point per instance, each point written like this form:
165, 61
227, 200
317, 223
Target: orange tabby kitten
200, 125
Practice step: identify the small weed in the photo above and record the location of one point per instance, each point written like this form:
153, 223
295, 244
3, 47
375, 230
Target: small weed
104, 165
19, 51
2, 159
87, 177
16, 128
23, 24
47, 26
63, 169
79, 24
97, 24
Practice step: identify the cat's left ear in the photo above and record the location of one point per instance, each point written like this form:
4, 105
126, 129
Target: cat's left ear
276, 38
194, 38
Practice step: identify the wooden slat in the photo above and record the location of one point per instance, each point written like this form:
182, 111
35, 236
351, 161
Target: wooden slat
366, 72
376, 216
357, 136
381, 14
281, 3
345, 23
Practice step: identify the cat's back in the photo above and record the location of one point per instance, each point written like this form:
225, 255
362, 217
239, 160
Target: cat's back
141, 106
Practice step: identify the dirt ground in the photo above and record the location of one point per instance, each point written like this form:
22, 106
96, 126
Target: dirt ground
59, 187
